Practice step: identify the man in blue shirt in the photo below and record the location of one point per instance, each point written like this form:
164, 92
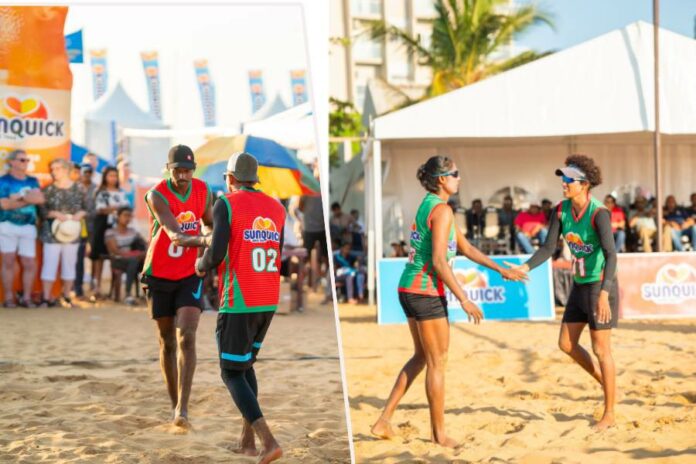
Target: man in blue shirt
19, 195
680, 223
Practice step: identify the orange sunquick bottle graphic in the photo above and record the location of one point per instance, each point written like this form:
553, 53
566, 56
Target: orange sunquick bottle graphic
35, 84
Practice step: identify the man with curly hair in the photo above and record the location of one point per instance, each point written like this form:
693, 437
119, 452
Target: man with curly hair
585, 224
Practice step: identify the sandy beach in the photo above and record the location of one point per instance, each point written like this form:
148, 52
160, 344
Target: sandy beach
513, 397
84, 385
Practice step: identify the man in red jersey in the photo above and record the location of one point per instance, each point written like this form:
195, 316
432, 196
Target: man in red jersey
177, 205
246, 243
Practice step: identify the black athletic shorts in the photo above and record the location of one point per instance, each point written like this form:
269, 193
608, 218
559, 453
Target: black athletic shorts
582, 305
240, 336
310, 238
423, 307
166, 296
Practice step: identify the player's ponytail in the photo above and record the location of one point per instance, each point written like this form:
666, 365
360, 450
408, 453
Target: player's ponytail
429, 171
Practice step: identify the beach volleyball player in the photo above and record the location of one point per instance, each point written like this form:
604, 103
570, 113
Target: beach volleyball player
434, 242
585, 224
246, 246
177, 206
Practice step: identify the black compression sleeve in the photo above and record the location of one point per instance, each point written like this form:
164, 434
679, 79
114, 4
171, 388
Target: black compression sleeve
606, 239
546, 250
214, 255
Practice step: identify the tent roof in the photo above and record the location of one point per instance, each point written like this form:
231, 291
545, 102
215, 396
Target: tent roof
271, 107
118, 106
601, 86
293, 128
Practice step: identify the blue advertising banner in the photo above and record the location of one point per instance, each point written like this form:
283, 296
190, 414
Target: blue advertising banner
100, 75
498, 299
258, 94
73, 45
206, 90
151, 68
299, 86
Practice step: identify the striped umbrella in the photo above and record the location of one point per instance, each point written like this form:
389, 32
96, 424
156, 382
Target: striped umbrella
281, 174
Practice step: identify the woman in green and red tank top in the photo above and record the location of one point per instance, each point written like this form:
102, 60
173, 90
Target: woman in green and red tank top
585, 224
434, 242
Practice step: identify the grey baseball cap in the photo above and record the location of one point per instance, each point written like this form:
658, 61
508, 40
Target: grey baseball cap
243, 167
571, 171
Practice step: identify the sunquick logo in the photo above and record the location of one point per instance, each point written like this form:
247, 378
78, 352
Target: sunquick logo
576, 244
262, 230
415, 236
475, 284
674, 284
27, 116
187, 221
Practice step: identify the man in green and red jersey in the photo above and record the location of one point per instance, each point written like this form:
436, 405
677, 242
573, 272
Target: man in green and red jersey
177, 206
245, 248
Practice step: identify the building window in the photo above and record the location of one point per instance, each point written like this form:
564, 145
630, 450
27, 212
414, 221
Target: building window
424, 8
365, 49
366, 7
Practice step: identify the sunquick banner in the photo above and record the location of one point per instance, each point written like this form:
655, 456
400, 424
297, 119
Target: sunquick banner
35, 83
299, 86
498, 299
258, 93
100, 74
207, 92
73, 45
152, 78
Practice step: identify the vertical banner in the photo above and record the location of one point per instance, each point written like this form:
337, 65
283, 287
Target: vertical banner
151, 68
207, 92
258, 94
35, 84
657, 285
100, 73
299, 86
73, 45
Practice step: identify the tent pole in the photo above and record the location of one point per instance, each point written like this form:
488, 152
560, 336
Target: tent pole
656, 136
370, 213
377, 192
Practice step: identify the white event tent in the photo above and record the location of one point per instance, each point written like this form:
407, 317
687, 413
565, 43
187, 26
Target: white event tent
292, 128
517, 127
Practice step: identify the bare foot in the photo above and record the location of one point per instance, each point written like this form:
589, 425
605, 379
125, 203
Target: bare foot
245, 450
382, 429
270, 455
447, 442
182, 422
606, 422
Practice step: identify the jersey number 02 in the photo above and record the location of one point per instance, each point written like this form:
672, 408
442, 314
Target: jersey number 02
263, 260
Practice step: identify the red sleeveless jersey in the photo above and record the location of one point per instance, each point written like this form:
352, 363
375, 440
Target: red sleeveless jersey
249, 277
165, 260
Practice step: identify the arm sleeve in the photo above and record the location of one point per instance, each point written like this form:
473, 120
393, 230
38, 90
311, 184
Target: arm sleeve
214, 255
546, 250
606, 240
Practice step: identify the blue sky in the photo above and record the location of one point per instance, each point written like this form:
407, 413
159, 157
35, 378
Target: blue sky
579, 20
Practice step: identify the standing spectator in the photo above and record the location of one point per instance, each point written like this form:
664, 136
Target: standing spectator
340, 223
680, 224
546, 208
618, 222
529, 225
506, 220
19, 195
357, 231
93, 160
642, 219
125, 181
88, 187
126, 249
349, 272
313, 232
475, 220
108, 199
60, 231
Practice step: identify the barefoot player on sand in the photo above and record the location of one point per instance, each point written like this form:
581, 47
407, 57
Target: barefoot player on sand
585, 224
434, 242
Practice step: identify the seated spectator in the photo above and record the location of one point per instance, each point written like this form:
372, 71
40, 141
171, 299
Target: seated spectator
62, 213
529, 225
692, 209
547, 208
126, 249
349, 273
19, 195
399, 249
506, 220
339, 224
618, 222
642, 219
357, 231
475, 220
679, 222
109, 197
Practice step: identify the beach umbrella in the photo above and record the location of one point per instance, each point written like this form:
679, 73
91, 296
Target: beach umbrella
281, 174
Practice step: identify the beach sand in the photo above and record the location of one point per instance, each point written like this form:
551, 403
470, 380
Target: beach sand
513, 397
84, 385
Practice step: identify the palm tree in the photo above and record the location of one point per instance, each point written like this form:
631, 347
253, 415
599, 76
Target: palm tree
467, 35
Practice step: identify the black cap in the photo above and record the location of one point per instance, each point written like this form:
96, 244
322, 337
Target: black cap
181, 156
